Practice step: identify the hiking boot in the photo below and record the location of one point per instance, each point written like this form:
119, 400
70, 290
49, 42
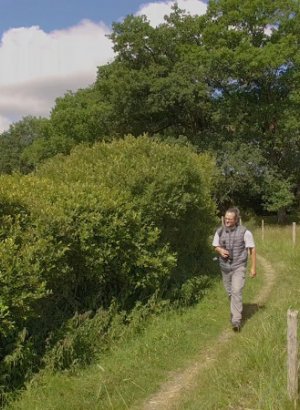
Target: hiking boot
236, 327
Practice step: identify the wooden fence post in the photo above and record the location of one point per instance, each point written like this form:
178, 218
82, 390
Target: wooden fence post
294, 233
262, 229
292, 349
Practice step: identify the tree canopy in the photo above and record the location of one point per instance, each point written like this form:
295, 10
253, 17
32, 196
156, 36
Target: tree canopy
228, 81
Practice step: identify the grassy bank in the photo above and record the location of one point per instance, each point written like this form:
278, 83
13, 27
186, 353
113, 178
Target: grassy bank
249, 372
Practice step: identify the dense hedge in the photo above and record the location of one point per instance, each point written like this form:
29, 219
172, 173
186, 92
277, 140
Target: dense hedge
120, 220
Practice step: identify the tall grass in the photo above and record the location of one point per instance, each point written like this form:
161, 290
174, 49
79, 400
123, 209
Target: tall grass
249, 371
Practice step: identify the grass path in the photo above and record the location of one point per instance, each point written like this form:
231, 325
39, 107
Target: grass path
170, 391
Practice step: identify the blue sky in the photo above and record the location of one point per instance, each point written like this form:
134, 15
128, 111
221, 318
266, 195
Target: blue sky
57, 14
51, 46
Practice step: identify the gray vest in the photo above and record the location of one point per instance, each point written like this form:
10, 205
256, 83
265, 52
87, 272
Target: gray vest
233, 240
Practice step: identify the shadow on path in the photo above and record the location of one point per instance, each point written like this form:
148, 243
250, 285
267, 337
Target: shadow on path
249, 310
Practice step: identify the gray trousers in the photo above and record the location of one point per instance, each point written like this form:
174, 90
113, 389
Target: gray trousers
234, 282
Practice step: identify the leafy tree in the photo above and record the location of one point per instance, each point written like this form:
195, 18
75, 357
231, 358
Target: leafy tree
43, 148
83, 116
227, 79
277, 195
224, 80
157, 82
14, 141
242, 170
254, 51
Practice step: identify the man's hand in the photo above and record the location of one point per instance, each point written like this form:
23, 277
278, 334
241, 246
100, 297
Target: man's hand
252, 273
224, 253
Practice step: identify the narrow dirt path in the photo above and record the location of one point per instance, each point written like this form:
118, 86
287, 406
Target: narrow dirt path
169, 392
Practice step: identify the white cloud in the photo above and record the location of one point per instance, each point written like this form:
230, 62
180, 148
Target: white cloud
35, 97
36, 67
30, 53
155, 12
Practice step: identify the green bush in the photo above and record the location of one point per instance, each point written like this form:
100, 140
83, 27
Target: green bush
168, 184
123, 220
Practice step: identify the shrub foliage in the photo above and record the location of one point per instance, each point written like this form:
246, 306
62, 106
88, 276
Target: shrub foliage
119, 221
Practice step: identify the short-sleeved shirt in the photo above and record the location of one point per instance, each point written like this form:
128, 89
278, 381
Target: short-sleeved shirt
248, 238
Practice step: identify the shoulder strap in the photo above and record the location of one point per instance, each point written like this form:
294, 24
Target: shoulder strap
220, 230
243, 229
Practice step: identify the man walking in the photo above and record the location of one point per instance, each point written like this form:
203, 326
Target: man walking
233, 242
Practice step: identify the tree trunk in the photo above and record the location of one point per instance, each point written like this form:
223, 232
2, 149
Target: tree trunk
281, 216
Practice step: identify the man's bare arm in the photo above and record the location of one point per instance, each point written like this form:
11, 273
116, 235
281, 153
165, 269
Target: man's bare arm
252, 252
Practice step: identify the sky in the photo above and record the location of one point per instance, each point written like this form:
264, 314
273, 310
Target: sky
48, 47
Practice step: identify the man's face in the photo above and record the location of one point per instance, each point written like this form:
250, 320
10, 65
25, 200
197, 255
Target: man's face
230, 219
